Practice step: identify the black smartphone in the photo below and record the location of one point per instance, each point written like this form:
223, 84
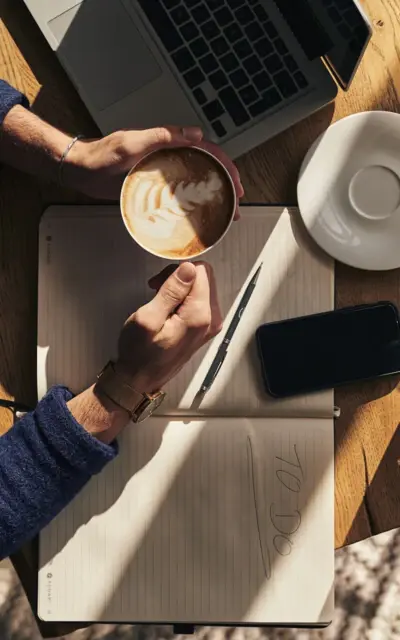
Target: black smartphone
349, 30
329, 349
338, 31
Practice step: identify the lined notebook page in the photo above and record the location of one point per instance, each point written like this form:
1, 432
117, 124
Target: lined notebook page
228, 520
92, 276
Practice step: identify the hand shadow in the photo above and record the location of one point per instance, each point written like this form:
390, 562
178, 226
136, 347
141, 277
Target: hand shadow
104, 490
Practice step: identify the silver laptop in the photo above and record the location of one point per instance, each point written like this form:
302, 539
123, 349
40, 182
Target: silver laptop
242, 69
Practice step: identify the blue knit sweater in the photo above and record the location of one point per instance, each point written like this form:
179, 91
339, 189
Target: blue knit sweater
9, 97
47, 457
45, 460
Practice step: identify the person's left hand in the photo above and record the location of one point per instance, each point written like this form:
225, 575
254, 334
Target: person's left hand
98, 167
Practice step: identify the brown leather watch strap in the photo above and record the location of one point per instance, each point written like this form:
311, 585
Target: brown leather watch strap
117, 389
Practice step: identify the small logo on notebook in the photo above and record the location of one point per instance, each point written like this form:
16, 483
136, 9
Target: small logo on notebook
49, 591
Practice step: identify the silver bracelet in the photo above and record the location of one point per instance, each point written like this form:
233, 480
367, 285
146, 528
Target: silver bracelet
64, 157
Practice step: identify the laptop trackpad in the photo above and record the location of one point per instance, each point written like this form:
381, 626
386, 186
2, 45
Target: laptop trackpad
103, 50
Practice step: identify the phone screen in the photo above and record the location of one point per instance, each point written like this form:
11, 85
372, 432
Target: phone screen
350, 35
337, 30
326, 350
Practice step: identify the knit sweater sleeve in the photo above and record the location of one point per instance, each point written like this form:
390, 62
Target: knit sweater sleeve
9, 97
45, 460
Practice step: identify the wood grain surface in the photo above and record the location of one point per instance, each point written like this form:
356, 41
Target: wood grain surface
367, 439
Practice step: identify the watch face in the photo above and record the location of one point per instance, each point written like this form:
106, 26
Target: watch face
146, 410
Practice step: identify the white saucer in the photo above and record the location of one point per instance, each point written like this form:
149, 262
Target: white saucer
349, 190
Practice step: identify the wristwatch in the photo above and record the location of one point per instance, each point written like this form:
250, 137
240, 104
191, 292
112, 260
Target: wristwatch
114, 385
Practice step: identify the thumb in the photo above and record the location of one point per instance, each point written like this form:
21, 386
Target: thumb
173, 292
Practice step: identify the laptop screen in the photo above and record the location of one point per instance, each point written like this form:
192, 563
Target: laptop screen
334, 29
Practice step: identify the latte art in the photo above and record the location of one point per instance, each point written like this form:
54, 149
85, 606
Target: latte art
178, 202
165, 205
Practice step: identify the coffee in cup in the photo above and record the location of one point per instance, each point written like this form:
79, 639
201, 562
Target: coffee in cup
178, 203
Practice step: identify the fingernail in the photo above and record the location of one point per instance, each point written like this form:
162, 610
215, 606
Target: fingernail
186, 272
192, 134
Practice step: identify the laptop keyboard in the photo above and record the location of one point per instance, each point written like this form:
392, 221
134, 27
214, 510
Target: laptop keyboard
230, 56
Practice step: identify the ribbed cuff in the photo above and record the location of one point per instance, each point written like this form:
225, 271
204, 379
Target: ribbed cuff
9, 97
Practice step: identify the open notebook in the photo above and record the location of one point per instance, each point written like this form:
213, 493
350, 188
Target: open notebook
214, 514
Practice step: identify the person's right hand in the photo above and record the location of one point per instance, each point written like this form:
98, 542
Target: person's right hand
160, 337
98, 167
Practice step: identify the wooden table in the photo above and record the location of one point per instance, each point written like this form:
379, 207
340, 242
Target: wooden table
367, 440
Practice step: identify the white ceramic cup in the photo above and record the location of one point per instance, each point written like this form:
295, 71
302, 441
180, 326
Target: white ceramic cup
126, 203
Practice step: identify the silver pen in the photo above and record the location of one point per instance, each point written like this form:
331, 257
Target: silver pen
223, 348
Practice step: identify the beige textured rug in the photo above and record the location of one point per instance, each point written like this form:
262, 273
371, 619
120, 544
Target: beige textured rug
367, 604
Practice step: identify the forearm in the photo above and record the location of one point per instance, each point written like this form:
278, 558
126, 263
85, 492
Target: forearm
98, 415
30, 144
48, 457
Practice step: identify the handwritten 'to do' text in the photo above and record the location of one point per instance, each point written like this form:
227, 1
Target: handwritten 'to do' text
287, 523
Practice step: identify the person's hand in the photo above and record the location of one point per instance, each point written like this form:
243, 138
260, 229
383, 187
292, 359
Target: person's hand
98, 167
159, 338
155, 343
